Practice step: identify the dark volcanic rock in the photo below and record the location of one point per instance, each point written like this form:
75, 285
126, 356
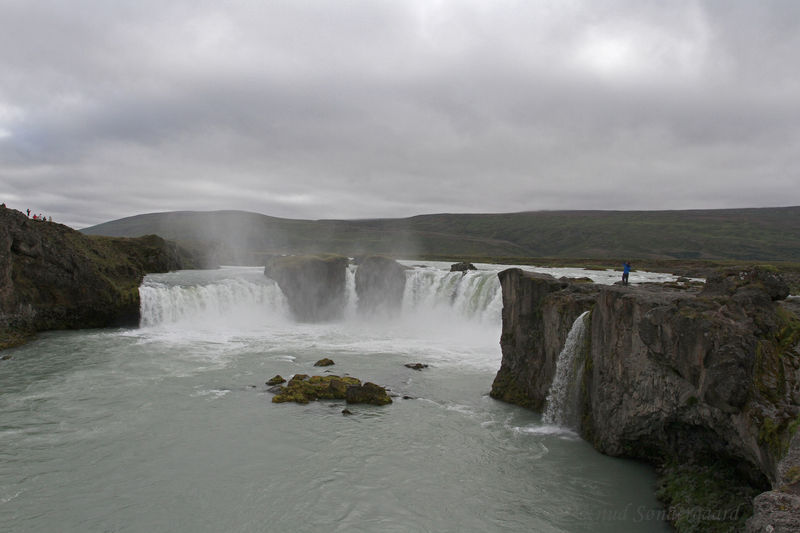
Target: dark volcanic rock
462, 267
313, 285
380, 283
669, 375
538, 312
368, 393
324, 362
780, 507
416, 366
53, 277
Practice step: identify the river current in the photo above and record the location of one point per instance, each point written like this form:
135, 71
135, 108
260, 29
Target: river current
170, 427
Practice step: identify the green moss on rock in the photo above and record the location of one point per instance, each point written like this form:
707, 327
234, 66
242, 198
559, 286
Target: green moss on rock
706, 498
304, 389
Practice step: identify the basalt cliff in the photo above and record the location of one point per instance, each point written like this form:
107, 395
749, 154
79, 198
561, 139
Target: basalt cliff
703, 381
315, 285
53, 277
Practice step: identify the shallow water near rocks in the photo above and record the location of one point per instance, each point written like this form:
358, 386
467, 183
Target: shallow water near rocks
169, 427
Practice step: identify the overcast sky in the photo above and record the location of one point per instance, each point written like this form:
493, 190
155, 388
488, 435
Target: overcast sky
391, 108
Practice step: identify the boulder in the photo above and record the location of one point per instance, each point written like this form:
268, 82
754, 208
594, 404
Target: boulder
380, 284
277, 380
304, 389
314, 285
416, 366
367, 393
462, 267
324, 362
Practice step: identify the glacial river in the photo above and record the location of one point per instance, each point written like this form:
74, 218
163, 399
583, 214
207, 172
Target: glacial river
169, 427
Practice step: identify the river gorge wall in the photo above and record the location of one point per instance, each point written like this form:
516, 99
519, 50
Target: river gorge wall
53, 277
671, 374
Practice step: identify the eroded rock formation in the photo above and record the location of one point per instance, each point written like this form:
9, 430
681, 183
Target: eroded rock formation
314, 285
380, 283
669, 374
53, 277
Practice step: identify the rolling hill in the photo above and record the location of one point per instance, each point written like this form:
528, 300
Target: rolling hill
754, 234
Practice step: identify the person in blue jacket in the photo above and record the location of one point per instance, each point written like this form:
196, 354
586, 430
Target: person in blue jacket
626, 269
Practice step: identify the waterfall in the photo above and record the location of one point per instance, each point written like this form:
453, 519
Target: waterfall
562, 398
231, 297
475, 295
234, 297
351, 298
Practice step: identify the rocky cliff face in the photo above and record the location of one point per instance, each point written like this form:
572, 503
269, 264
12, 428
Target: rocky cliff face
380, 283
314, 285
671, 375
53, 277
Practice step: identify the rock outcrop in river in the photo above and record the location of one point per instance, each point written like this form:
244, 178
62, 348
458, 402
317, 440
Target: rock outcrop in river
671, 375
314, 285
380, 283
53, 277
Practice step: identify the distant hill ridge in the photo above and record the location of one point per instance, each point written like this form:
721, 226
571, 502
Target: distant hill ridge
751, 234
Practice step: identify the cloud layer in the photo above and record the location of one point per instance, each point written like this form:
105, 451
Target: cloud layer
380, 108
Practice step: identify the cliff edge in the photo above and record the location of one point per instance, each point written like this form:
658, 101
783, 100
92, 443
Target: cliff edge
704, 384
53, 277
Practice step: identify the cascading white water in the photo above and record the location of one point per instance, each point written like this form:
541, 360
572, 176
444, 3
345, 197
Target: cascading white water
230, 297
244, 296
561, 407
351, 298
475, 295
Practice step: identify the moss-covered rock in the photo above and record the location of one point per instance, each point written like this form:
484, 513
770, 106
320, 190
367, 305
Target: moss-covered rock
303, 389
277, 380
324, 362
367, 393
709, 497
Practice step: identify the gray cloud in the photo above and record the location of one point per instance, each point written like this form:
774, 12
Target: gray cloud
380, 108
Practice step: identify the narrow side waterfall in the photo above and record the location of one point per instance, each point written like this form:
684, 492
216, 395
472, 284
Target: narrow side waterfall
351, 298
562, 399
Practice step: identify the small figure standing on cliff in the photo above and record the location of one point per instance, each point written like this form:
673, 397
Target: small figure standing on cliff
626, 270
29, 213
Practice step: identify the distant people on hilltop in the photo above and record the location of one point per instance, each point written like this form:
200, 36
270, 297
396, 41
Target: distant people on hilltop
39, 216
626, 270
